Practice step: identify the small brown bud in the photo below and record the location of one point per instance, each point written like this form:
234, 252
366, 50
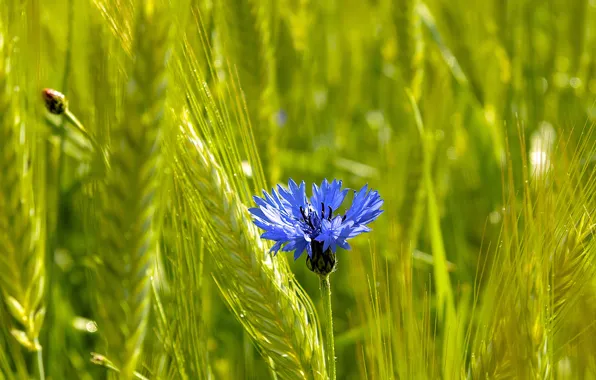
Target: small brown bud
55, 101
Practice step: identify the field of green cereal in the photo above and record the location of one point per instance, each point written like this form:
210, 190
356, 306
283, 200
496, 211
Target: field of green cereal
134, 134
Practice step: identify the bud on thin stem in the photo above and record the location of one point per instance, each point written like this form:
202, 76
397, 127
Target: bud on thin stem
57, 104
55, 101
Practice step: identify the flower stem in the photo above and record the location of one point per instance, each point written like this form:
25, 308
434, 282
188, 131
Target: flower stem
329, 340
72, 119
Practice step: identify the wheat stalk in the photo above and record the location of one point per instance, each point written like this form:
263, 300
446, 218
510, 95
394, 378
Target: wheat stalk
267, 301
21, 257
130, 200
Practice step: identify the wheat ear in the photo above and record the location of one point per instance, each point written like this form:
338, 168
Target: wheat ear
411, 44
572, 267
21, 257
265, 299
185, 340
128, 224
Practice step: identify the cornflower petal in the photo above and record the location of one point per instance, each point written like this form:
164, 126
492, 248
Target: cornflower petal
365, 207
329, 195
294, 198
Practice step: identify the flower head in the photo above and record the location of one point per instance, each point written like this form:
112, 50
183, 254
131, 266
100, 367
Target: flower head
296, 223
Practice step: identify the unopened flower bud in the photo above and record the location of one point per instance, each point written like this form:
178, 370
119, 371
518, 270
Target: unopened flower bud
55, 101
321, 262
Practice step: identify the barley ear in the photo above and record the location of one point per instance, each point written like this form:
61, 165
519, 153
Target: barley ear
21, 256
256, 286
410, 39
130, 198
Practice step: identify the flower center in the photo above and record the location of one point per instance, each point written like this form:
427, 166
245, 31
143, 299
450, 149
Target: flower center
308, 218
323, 212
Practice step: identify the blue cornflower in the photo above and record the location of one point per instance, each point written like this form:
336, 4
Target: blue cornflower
296, 223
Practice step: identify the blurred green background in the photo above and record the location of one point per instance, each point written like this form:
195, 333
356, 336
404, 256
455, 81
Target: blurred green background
461, 276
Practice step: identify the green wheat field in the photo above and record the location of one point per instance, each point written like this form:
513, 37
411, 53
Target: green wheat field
133, 135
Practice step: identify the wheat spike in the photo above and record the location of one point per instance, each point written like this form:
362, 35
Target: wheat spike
247, 38
540, 278
267, 301
242, 44
128, 209
269, 100
21, 258
185, 338
572, 266
410, 44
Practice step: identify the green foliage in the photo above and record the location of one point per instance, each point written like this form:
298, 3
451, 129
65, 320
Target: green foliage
126, 248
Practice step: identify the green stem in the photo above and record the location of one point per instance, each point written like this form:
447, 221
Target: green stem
329, 340
72, 119
42, 374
